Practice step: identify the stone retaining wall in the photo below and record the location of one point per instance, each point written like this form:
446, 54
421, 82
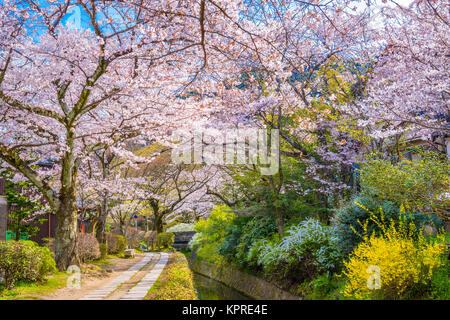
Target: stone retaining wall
250, 285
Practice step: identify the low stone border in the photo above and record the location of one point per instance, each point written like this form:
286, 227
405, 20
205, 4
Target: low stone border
252, 286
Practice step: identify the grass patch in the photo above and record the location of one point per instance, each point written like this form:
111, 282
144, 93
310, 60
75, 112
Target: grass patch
34, 290
102, 263
105, 262
175, 282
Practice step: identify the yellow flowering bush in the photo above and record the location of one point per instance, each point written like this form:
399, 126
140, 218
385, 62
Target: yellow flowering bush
391, 265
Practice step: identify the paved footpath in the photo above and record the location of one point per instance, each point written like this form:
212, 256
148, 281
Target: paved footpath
139, 291
104, 291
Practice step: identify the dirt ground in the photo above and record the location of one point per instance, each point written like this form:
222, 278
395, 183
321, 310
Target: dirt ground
94, 277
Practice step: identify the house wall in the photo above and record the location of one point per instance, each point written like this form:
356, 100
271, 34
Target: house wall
46, 229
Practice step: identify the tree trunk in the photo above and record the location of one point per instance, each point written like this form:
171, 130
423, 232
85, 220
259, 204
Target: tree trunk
67, 211
158, 225
100, 230
158, 217
100, 233
122, 227
280, 221
66, 233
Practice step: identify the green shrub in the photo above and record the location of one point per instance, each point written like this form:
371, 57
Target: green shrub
440, 282
232, 237
324, 287
307, 250
48, 265
257, 228
419, 185
24, 260
208, 252
212, 232
213, 228
116, 243
166, 239
242, 234
346, 220
121, 243
194, 243
87, 247
255, 252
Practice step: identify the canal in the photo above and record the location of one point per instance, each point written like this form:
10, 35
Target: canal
210, 289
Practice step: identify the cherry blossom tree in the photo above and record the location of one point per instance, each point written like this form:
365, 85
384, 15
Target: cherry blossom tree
286, 84
169, 189
67, 90
78, 95
102, 182
122, 213
408, 89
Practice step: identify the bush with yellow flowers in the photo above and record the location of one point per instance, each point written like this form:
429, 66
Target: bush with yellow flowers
397, 264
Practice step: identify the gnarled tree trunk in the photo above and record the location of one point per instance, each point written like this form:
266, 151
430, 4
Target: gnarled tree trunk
67, 211
100, 223
66, 235
158, 225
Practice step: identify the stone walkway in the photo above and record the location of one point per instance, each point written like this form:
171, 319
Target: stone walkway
111, 286
139, 291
